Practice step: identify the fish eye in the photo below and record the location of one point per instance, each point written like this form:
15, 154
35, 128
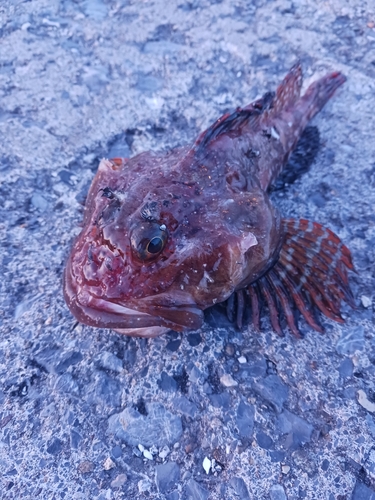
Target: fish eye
155, 245
148, 240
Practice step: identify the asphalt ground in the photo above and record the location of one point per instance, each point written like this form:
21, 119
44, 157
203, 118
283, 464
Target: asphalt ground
217, 413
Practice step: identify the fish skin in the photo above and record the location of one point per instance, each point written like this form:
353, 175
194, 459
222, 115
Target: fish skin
207, 209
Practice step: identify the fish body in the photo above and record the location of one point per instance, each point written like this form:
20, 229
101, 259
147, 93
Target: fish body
167, 235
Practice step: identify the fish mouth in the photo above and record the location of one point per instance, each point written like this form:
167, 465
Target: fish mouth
146, 317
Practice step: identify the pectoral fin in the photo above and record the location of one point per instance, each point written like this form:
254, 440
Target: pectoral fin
311, 272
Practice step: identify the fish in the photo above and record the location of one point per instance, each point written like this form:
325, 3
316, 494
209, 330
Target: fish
168, 234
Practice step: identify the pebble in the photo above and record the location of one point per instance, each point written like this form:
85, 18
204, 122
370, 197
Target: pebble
194, 491
264, 441
116, 451
108, 464
144, 485
86, 466
228, 381
119, 481
362, 492
366, 301
109, 361
346, 368
167, 383
185, 406
238, 489
220, 400
39, 202
285, 469
272, 390
277, 492
206, 465
55, 446
364, 401
167, 476
352, 339
298, 430
245, 419
159, 427
242, 360
148, 455
164, 452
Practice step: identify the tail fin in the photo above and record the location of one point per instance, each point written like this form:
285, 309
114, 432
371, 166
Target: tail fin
318, 94
311, 271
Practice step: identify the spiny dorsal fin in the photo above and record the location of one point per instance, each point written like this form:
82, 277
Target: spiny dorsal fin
289, 90
233, 121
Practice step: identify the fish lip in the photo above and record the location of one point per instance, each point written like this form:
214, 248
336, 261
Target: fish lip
96, 311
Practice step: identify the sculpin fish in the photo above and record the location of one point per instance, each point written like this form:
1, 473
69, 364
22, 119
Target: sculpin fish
167, 235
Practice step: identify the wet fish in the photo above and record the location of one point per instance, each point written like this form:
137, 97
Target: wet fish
167, 235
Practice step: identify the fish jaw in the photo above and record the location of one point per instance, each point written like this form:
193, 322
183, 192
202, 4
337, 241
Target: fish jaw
164, 313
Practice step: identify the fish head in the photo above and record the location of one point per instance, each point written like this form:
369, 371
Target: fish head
154, 251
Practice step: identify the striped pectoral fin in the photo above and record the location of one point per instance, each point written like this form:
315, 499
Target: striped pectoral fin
311, 271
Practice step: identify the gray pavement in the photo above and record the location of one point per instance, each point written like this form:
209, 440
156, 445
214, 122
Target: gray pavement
218, 413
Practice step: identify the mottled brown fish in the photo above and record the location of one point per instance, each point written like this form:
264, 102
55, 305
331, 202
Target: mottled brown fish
167, 235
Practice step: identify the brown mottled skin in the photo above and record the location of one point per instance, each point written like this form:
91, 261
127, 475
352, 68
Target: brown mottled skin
206, 210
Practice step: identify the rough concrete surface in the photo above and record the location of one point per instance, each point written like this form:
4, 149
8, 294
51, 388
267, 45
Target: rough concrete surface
215, 414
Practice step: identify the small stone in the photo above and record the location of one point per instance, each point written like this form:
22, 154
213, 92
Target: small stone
54, 446
185, 406
242, 360
194, 339
351, 340
116, 451
206, 464
148, 455
194, 491
285, 469
167, 476
272, 390
164, 452
136, 452
144, 485
108, 464
370, 464
90, 158
366, 301
158, 426
363, 401
362, 492
86, 467
245, 419
167, 383
277, 492
237, 489
229, 349
264, 441
109, 361
298, 430
119, 481
39, 202
228, 381
346, 368
141, 448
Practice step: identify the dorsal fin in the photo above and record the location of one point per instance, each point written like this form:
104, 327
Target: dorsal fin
289, 90
233, 121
